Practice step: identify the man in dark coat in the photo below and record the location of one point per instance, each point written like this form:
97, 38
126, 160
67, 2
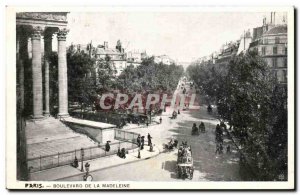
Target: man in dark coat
138, 140
149, 139
142, 142
202, 127
107, 146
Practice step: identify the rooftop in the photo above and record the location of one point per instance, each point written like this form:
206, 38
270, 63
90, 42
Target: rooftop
280, 29
102, 51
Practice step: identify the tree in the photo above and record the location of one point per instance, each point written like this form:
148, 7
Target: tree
81, 81
151, 77
250, 99
105, 75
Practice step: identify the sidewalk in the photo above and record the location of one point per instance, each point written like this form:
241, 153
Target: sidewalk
95, 165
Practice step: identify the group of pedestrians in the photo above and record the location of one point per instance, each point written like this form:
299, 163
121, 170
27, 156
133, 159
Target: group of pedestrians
220, 128
196, 130
141, 141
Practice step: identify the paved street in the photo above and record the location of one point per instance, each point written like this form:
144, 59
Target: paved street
208, 165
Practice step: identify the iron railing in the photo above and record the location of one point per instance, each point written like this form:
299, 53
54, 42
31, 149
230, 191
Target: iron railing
126, 139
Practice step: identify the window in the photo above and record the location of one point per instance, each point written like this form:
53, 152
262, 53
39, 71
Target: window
263, 50
276, 40
285, 50
284, 76
285, 62
275, 74
274, 62
266, 41
275, 50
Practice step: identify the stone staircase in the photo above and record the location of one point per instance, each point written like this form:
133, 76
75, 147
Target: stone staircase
51, 136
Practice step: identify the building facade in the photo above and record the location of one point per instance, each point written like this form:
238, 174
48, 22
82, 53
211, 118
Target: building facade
163, 59
116, 55
135, 58
272, 46
269, 40
227, 52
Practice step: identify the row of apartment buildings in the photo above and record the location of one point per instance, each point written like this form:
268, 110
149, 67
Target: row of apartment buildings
269, 40
119, 58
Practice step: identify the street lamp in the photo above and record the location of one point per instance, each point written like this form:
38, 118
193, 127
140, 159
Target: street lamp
82, 155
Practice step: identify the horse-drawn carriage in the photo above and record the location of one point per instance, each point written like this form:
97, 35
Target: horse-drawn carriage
185, 167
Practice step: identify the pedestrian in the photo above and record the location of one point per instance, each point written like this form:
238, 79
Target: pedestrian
119, 152
223, 126
218, 133
151, 148
178, 111
149, 139
87, 167
147, 123
75, 163
217, 149
138, 140
195, 130
107, 146
160, 120
123, 153
202, 127
228, 149
221, 148
142, 142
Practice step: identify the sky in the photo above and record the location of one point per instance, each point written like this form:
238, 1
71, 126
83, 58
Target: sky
184, 36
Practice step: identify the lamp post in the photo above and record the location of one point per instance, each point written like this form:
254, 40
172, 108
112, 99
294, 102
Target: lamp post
82, 155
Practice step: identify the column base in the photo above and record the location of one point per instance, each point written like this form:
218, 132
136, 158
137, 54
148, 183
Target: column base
37, 117
63, 115
46, 113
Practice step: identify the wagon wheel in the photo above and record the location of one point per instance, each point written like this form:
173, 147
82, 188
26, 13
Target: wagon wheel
87, 177
178, 172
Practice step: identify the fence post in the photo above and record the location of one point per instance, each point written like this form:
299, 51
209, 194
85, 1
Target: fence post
40, 162
90, 153
58, 159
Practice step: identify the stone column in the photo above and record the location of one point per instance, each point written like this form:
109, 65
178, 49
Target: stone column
48, 50
37, 85
22, 57
62, 74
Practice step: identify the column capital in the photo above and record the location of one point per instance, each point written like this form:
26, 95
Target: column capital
37, 32
62, 34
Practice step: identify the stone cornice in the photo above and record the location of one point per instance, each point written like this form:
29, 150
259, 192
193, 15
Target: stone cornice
45, 16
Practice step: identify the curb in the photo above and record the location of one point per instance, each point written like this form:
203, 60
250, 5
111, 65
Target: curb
82, 173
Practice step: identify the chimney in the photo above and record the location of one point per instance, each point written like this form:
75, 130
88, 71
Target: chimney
283, 20
105, 45
271, 18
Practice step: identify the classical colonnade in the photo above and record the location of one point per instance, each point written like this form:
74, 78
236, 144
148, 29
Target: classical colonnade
39, 27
